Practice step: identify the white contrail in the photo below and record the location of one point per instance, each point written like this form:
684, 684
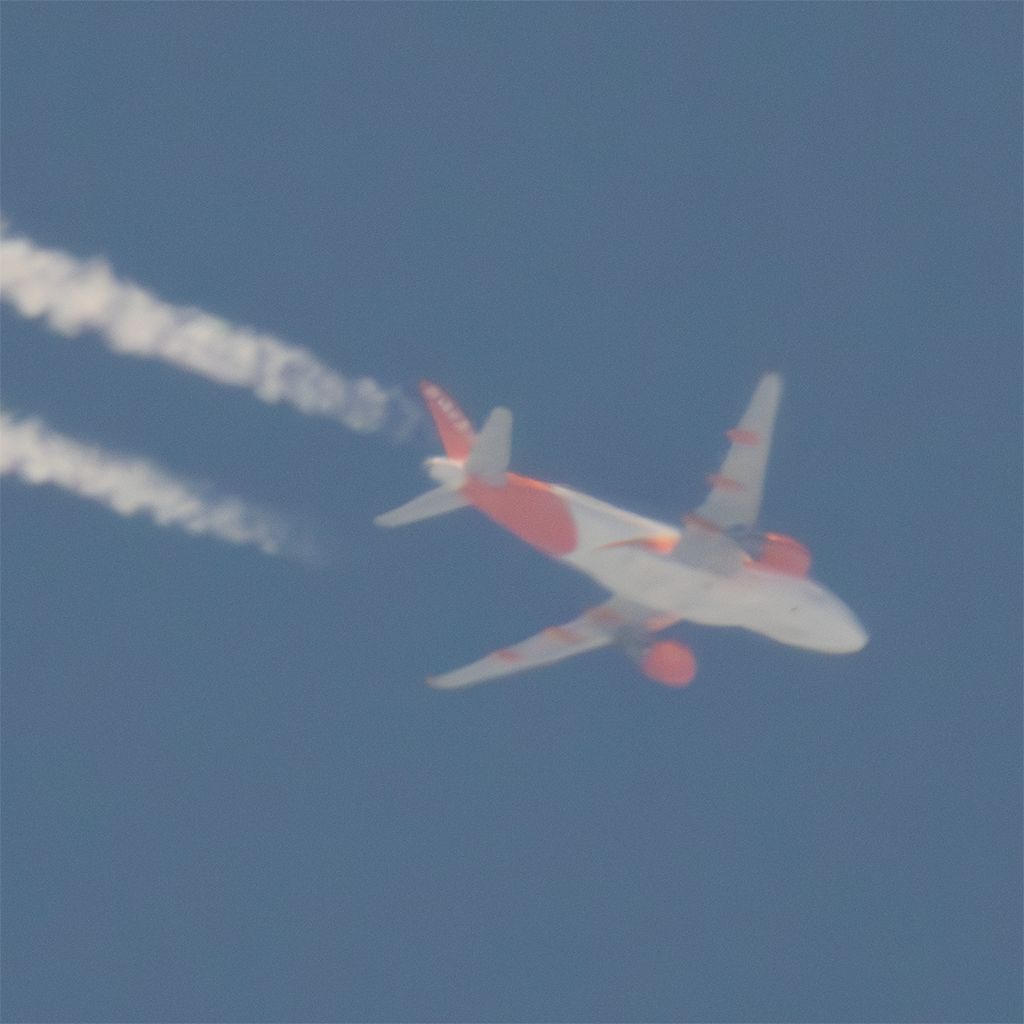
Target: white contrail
75, 296
130, 486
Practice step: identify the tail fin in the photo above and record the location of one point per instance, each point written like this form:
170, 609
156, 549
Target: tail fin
433, 503
489, 456
484, 456
455, 430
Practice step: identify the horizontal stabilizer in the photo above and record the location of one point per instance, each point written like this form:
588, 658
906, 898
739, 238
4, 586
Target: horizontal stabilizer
433, 503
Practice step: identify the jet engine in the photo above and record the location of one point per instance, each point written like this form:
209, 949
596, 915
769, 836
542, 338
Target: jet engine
774, 551
667, 662
784, 554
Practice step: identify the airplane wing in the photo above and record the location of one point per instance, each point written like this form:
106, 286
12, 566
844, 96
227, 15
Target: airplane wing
735, 498
611, 622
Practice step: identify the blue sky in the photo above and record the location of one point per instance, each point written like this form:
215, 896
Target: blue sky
227, 794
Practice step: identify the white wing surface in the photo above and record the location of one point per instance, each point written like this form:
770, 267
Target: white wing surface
736, 489
615, 621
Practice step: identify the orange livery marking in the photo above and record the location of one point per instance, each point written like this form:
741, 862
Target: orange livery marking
456, 432
529, 509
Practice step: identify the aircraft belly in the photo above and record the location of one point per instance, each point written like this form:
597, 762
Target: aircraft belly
665, 585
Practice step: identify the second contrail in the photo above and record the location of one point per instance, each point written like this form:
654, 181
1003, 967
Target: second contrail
129, 485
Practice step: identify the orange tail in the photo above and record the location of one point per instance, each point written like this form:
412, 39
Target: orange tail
457, 434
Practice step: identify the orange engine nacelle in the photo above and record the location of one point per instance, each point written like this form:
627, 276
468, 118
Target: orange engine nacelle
668, 662
784, 554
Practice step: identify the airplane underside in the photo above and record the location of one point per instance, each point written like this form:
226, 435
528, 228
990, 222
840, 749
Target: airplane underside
716, 569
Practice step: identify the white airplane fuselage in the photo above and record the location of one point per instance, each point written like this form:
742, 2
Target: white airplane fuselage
621, 551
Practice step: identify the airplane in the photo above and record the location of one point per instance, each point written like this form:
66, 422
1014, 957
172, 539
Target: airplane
717, 568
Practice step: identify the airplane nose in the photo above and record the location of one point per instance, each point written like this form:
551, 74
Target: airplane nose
855, 636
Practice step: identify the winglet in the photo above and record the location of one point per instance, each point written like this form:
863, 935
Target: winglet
456, 432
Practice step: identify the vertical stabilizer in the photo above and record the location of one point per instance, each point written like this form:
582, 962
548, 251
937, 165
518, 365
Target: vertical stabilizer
456, 431
482, 457
489, 457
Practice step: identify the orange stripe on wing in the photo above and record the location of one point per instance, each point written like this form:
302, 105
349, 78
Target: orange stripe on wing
567, 636
692, 519
747, 437
725, 483
663, 545
605, 616
658, 622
